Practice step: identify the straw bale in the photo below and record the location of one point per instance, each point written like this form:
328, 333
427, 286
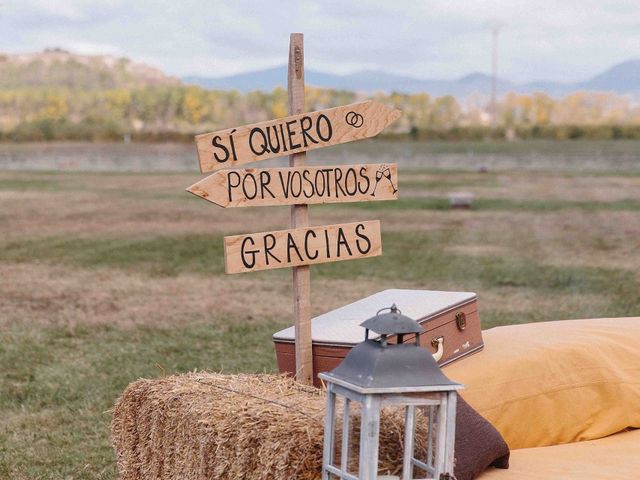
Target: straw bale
255, 427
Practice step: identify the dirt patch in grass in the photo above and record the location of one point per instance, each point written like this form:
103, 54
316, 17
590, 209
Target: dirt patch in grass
598, 239
82, 214
508, 305
476, 250
520, 185
44, 295
573, 188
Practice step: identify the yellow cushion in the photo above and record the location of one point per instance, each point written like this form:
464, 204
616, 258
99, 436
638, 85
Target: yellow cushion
556, 382
614, 457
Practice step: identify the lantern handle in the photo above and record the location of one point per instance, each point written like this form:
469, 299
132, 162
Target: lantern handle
393, 308
438, 343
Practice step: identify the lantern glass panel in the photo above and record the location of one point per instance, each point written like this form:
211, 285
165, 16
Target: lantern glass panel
424, 422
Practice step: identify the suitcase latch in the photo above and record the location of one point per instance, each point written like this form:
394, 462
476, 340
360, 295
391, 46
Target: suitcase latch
461, 321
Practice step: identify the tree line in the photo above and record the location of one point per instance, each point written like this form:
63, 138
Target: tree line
177, 112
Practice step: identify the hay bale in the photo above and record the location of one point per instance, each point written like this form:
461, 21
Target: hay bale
461, 199
214, 426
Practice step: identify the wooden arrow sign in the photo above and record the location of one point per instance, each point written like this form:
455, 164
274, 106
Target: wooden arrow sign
289, 135
302, 246
299, 185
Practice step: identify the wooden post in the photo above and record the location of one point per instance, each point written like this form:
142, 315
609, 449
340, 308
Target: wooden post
232, 147
300, 218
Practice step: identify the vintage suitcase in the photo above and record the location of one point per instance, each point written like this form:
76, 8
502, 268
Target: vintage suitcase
450, 319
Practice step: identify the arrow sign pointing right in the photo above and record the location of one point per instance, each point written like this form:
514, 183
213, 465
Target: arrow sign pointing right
302, 246
297, 133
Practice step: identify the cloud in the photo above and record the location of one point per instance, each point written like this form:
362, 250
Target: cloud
90, 48
71, 11
567, 40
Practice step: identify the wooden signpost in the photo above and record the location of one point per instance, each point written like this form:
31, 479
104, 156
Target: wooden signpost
290, 186
301, 275
298, 185
302, 246
294, 134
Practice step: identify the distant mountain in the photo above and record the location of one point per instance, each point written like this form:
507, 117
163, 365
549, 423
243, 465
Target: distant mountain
363, 81
56, 67
623, 78
59, 68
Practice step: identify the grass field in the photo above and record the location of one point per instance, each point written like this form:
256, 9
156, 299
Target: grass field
106, 277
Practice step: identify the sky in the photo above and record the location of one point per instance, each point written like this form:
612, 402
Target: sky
561, 40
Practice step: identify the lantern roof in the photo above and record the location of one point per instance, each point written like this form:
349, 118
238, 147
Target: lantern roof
371, 367
392, 323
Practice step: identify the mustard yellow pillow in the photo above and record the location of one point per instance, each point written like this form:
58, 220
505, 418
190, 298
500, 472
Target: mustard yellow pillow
556, 382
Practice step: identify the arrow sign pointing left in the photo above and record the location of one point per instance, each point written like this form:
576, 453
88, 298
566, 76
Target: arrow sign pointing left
299, 185
294, 134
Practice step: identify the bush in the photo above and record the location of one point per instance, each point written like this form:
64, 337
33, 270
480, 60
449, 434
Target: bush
57, 129
546, 132
96, 129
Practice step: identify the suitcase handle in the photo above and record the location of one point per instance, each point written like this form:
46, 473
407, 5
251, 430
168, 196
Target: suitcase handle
438, 344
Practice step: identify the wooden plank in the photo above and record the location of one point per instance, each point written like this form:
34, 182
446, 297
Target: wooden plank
302, 246
255, 187
409, 442
299, 132
301, 276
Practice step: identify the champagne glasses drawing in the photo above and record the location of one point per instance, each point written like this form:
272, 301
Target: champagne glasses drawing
383, 171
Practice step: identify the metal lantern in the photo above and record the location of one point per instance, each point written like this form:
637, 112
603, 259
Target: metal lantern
378, 373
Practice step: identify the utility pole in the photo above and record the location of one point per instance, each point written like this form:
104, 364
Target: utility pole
495, 31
